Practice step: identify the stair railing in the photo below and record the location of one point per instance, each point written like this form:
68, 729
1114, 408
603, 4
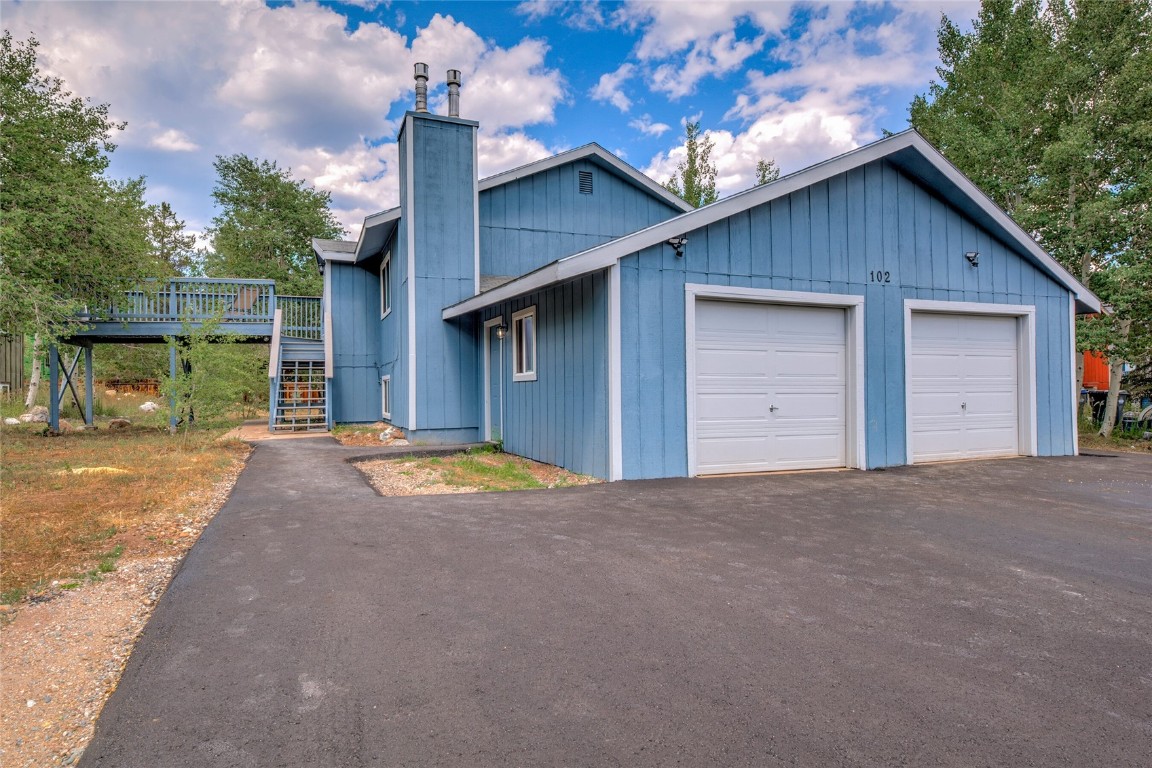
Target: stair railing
274, 367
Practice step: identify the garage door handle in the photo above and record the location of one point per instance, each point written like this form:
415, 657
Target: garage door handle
964, 406
772, 409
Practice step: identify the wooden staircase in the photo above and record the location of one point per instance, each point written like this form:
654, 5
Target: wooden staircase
301, 389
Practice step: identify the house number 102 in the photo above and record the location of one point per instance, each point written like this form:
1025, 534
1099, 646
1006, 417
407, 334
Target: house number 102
879, 276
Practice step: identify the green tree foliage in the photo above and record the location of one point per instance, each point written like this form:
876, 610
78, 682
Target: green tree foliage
1047, 106
218, 377
173, 249
266, 225
695, 177
69, 236
766, 171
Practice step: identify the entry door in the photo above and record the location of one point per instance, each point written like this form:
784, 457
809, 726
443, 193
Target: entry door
494, 385
964, 389
771, 387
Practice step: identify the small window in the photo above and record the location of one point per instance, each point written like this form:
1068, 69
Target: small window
585, 182
386, 397
524, 345
386, 285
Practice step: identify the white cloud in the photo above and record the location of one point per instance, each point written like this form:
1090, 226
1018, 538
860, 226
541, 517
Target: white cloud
296, 84
645, 125
173, 140
686, 42
578, 14
608, 87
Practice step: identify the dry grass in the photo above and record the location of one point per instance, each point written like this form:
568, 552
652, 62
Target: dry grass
66, 512
481, 470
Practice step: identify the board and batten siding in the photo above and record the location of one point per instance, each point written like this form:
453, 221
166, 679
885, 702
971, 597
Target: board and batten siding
832, 237
530, 222
562, 417
355, 342
441, 215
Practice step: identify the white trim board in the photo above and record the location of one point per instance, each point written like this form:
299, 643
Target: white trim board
1025, 356
855, 454
1075, 364
409, 156
487, 394
602, 256
615, 412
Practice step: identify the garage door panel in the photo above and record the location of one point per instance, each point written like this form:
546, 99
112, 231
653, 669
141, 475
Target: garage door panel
731, 406
939, 365
770, 387
808, 364
963, 386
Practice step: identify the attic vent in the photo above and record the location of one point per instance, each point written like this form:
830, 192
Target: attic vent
585, 182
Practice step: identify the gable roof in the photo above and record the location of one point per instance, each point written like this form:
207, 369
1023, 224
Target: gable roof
597, 155
378, 227
908, 150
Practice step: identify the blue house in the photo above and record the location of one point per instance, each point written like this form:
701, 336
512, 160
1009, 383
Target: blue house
873, 310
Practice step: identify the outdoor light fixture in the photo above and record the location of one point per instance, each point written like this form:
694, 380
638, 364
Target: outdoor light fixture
678, 243
973, 258
501, 332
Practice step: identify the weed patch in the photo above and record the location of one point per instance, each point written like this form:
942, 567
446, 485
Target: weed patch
62, 525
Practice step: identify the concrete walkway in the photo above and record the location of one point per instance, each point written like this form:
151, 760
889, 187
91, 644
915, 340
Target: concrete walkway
991, 613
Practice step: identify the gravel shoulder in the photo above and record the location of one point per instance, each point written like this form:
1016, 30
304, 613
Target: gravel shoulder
62, 651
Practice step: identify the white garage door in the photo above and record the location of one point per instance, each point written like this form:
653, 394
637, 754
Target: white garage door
770, 387
963, 377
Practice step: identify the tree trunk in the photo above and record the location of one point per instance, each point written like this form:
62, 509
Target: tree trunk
1079, 381
1115, 371
34, 381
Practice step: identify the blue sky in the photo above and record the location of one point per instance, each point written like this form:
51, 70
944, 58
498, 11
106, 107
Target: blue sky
320, 87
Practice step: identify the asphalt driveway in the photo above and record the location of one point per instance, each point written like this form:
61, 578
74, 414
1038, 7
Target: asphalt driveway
992, 613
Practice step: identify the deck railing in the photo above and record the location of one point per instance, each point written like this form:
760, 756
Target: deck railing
302, 316
196, 299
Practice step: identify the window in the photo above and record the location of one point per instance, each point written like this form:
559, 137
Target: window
386, 397
386, 285
524, 345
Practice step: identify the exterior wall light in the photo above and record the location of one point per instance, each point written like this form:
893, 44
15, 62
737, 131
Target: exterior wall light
678, 243
973, 258
501, 332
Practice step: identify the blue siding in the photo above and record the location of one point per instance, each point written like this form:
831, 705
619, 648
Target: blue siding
447, 360
562, 417
531, 222
355, 340
827, 238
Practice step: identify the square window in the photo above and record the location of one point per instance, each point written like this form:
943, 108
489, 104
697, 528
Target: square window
524, 345
386, 397
386, 285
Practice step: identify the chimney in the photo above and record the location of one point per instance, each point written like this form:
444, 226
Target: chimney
453, 93
421, 87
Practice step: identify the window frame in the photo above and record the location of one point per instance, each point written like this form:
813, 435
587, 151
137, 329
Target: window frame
386, 285
518, 324
386, 396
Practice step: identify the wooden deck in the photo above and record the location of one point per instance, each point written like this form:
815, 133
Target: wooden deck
163, 309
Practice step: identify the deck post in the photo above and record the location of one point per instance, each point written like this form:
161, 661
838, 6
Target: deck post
172, 384
54, 387
88, 385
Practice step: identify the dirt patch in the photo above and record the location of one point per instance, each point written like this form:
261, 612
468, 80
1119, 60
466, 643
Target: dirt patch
465, 473
1091, 441
64, 645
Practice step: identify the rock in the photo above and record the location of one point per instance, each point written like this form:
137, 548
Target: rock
119, 424
149, 407
11, 421
110, 392
35, 416
66, 426
400, 441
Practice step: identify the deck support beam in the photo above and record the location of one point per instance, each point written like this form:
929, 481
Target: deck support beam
54, 387
172, 384
88, 386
